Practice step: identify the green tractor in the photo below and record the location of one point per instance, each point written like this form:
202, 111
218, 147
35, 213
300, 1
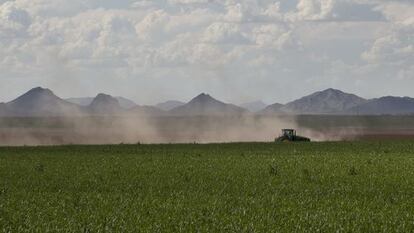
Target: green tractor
289, 135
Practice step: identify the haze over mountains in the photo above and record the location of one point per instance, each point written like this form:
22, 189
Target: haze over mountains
40, 102
105, 104
329, 101
385, 105
204, 104
85, 101
43, 102
255, 106
169, 105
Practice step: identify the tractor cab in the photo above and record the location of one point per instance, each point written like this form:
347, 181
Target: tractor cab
289, 135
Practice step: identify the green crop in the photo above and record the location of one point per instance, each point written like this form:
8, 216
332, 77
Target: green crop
247, 187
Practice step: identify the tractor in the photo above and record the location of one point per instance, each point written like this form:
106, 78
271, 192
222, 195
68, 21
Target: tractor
289, 135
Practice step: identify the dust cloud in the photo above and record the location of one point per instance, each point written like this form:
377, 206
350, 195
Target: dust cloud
143, 129
133, 129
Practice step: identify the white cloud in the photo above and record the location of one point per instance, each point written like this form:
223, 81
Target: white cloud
13, 21
396, 47
187, 1
273, 36
219, 32
161, 41
399, 12
315, 9
273, 11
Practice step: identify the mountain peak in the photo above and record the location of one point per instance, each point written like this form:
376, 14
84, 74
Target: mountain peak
41, 101
204, 104
330, 91
35, 95
39, 91
86, 101
204, 98
203, 95
327, 101
104, 103
103, 96
39, 88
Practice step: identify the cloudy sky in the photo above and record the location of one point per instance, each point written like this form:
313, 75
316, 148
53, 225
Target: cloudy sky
237, 51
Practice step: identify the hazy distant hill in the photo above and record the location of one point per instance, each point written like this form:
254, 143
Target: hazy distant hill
146, 111
82, 101
85, 101
329, 101
255, 106
271, 109
105, 104
206, 105
126, 103
3, 109
41, 102
168, 105
385, 105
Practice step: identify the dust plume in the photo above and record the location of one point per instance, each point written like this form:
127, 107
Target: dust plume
140, 129
132, 129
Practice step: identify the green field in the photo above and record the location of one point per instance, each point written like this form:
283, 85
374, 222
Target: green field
248, 187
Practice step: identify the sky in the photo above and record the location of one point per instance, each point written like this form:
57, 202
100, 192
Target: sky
237, 51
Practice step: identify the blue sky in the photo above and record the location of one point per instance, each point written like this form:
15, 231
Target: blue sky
237, 51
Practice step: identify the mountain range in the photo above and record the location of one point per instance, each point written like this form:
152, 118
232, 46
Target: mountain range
39, 102
204, 104
329, 101
85, 101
